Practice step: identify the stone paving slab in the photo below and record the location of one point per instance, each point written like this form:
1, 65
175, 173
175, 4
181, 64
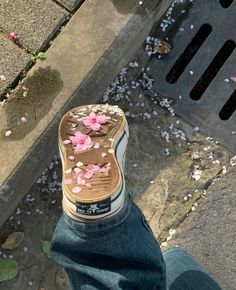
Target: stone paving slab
76, 72
33, 21
12, 61
163, 185
71, 4
209, 232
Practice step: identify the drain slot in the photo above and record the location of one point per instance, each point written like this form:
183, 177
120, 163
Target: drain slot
226, 3
229, 108
189, 52
212, 70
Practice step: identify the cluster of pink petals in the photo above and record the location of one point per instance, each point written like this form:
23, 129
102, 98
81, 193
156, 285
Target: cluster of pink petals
91, 170
81, 141
94, 121
95, 168
12, 36
81, 175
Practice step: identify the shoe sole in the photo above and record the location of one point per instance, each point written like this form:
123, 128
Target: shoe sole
107, 192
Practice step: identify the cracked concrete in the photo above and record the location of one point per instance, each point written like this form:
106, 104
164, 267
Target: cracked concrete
164, 187
159, 184
209, 232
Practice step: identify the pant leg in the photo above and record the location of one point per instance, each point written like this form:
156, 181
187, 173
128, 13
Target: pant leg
124, 256
184, 273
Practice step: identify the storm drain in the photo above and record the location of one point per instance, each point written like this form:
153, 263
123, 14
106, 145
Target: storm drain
197, 71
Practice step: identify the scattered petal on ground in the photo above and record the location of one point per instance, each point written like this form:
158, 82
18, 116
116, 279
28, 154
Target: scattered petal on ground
12, 36
8, 133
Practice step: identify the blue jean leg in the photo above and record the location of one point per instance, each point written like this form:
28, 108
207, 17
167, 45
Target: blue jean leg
184, 273
119, 253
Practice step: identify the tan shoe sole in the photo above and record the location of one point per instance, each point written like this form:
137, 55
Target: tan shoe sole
104, 187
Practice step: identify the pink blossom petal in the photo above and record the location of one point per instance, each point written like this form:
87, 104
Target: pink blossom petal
72, 158
94, 121
94, 168
88, 174
88, 142
233, 79
80, 181
95, 126
77, 170
102, 119
80, 147
96, 145
76, 189
66, 142
68, 181
88, 185
12, 36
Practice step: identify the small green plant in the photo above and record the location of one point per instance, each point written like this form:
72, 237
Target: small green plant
37, 56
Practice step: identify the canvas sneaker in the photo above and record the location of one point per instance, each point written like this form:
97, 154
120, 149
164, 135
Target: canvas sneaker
92, 145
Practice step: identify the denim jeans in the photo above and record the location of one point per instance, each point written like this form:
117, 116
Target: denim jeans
184, 273
119, 253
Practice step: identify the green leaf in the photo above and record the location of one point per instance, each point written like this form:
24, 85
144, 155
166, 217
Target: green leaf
8, 269
46, 248
40, 54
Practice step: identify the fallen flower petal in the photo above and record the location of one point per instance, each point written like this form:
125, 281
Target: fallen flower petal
94, 121
76, 189
68, 181
2, 78
88, 185
233, 79
88, 174
23, 120
66, 142
7, 133
80, 180
79, 164
81, 141
96, 145
77, 170
12, 36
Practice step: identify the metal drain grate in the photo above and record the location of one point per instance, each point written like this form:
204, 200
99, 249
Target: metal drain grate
199, 68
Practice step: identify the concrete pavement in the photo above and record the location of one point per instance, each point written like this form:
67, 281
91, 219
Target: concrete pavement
182, 180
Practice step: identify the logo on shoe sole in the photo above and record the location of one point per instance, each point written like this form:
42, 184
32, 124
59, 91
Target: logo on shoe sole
94, 208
